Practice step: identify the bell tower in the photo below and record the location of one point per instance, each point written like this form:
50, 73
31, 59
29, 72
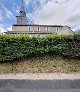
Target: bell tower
21, 20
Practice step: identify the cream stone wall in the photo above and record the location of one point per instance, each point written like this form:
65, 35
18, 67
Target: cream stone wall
65, 30
32, 28
42, 29
20, 28
52, 29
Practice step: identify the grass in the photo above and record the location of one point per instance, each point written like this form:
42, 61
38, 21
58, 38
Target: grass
45, 64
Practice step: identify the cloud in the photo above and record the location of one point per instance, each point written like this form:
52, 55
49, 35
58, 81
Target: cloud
9, 28
5, 16
6, 12
1, 18
2, 29
52, 13
15, 8
58, 12
27, 2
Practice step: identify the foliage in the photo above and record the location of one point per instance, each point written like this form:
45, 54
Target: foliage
23, 46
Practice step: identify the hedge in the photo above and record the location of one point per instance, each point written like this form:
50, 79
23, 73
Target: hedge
23, 46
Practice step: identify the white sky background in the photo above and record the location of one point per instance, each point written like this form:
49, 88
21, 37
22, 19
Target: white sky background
56, 12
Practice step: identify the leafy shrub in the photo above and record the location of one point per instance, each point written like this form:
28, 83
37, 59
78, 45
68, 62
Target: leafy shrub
72, 46
22, 46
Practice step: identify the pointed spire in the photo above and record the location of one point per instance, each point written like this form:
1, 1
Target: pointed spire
22, 7
22, 11
21, 20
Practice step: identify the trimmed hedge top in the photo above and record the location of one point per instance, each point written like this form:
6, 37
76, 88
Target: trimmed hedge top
23, 46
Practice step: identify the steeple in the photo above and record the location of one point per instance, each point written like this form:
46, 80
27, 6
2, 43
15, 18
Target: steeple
22, 12
22, 7
21, 20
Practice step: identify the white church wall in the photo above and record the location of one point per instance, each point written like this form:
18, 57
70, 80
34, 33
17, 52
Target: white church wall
52, 30
55, 30
33, 28
43, 29
65, 31
20, 28
21, 20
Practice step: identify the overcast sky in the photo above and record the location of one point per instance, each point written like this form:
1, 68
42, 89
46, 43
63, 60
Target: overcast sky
47, 12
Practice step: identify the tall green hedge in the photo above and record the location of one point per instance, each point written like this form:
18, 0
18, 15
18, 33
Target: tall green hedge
22, 46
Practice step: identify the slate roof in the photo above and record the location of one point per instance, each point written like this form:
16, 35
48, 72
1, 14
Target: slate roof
27, 32
41, 25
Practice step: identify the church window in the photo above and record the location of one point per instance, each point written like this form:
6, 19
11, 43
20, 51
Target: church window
47, 29
21, 20
29, 28
38, 28
57, 29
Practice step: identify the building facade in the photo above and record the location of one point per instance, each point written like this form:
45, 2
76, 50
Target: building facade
37, 30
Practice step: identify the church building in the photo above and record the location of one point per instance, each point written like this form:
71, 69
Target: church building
37, 30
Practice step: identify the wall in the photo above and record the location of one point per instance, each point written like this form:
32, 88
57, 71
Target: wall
43, 29
65, 30
19, 28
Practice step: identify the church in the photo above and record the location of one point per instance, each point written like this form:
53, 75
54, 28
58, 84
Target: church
37, 30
